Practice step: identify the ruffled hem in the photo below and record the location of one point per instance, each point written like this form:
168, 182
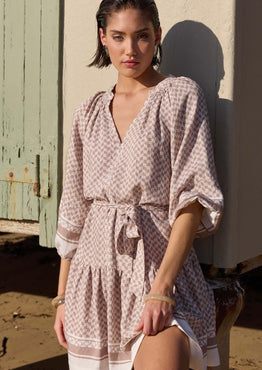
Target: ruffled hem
197, 361
99, 301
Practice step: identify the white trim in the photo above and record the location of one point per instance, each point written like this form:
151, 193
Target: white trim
61, 236
70, 222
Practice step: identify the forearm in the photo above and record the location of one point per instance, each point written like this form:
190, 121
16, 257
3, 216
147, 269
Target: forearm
180, 242
63, 275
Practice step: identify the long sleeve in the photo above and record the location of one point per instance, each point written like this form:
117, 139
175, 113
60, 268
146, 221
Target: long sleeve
192, 162
73, 207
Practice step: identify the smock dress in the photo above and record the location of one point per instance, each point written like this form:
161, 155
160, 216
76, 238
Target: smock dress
119, 202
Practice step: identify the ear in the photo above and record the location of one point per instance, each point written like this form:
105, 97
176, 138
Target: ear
102, 36
158, 36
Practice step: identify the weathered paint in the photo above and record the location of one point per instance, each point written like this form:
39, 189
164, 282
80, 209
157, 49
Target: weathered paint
30, 93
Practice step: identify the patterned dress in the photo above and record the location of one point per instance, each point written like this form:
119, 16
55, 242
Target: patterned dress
119, 202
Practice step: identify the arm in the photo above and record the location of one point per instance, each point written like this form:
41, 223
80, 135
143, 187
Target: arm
60, 313
157, 314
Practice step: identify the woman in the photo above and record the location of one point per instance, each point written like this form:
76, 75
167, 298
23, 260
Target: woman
140, 185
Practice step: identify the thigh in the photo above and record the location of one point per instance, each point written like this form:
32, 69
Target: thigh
167, 350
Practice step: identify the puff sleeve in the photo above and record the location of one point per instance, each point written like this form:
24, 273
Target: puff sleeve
192, 161
73, 207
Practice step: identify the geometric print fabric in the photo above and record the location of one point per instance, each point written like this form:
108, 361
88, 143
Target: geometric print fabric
119, 202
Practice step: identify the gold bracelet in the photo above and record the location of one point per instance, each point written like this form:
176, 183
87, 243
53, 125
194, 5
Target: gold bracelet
58, 300
159, 297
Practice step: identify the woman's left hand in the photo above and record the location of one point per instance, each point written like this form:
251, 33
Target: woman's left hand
156, 316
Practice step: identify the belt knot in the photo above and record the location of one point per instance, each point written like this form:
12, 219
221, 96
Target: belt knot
128, 228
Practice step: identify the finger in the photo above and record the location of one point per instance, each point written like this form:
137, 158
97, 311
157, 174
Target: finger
156, 322
141, 325
61, 336
147, 329
59, 329
162, 322
168, 319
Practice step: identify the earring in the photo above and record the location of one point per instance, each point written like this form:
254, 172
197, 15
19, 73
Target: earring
156, 52
106, 50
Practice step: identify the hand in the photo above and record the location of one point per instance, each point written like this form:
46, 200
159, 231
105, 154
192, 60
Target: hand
59, 325
156, 316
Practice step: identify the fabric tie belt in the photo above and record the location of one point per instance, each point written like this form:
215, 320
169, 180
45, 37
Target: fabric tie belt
129, 240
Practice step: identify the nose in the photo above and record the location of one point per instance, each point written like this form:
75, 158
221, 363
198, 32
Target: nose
130, 47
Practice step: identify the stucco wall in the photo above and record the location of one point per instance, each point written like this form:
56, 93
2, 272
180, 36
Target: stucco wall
199, 41
213, 21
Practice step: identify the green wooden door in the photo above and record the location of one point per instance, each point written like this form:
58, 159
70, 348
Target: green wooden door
30, 106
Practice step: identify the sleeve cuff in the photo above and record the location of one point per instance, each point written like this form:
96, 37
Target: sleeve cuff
66, 240
65, 248
211, 215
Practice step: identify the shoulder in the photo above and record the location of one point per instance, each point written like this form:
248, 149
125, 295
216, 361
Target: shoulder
185, 101
185, 98
182, 87
87, 111
88, 105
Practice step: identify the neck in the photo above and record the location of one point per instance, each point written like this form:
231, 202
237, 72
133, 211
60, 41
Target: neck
132, 85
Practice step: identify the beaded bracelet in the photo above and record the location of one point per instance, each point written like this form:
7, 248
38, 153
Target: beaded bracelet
60, 299
159, 297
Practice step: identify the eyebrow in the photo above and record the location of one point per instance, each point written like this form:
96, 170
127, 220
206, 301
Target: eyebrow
123, 33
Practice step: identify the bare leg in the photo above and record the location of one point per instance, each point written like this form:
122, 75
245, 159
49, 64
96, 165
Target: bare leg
167, 350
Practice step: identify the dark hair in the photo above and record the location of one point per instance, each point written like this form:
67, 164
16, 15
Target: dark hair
106, 8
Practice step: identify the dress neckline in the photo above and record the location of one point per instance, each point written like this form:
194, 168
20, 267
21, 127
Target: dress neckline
110, 95
110, 92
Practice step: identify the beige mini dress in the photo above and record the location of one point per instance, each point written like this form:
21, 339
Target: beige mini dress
119, 202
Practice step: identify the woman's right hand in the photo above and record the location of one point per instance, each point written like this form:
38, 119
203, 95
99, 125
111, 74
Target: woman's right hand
59, 325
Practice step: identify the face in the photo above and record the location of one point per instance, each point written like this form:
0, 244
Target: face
131, 39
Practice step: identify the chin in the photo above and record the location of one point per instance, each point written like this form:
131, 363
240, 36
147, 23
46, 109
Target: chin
132, 73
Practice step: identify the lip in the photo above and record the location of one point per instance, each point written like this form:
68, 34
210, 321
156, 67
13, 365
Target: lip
130, 63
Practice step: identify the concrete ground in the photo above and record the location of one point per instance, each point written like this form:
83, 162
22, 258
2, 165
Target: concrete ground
28, 281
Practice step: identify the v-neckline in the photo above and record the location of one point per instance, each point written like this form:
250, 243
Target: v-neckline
110, 116
112, 121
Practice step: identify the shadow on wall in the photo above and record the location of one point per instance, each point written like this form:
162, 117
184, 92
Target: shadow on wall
191, 49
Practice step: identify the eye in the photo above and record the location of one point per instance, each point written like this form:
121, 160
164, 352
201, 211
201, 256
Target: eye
143, 36
117, 37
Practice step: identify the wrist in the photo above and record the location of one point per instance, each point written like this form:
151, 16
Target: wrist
58, 300
162, 287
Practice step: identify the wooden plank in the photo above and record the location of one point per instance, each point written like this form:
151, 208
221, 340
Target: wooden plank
50, 114
13, 238
22, 170
31, 207
14, 72
29, 228
32, 76
13, 97
2, 52
14, 191
32, 98
3, 190
4, 199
